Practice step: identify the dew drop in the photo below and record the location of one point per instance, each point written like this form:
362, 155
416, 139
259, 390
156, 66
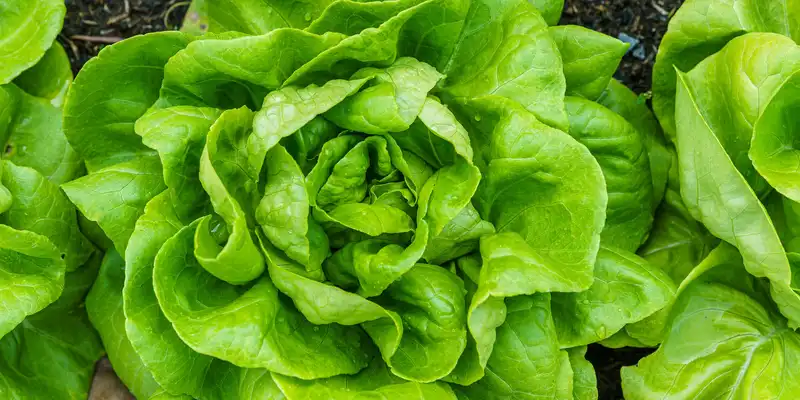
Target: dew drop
307, 17
477, 118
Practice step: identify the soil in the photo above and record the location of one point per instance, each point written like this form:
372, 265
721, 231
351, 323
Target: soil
90, 25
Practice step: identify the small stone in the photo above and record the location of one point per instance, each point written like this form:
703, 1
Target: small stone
634, 42
640, 53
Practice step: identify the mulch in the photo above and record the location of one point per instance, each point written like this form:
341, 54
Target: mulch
90, 25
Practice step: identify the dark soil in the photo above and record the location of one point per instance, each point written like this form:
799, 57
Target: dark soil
91, 25
642, 21
607, 364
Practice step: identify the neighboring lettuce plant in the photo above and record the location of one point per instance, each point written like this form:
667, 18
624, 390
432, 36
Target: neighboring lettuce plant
726, 88
47, 345
416, 198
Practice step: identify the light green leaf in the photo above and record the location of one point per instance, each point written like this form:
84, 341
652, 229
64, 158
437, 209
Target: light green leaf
306, 143
623, 101
459, 237
283, 213
27, 30
230, 72
115, 196
40, 207
539, 183
49, 78
721, 342
590, 59
30, 129
252, 326
285, 111
420, 331
626, 290
351, 54
178, 134
104, 307
447, 193
526, 361
584, 380
436, 136
392, 101
375, 263
619, 149
51, 355
701, 28
773, 150
347, 182
520, 63
373, 382
550, 9
256, 17
677, 242
175, 366
112, 91
714, 190
32, 276
229, 177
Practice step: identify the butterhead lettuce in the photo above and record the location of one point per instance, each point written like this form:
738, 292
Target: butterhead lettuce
47, 345
433, 199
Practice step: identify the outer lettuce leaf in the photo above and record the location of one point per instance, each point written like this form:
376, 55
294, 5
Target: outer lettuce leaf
633, 108
724, 338
256, 17
590, 59
33, 275
27, 30
99, 122
526, 361
701, 28
677, 242
584, 379
719, 184
115, 196
50, 78
104, 307
52, 353
30, 129
182, 371
550, 9
40, 207
203, 74
619, 149
626, 290
527, 70
520, 155
374, 381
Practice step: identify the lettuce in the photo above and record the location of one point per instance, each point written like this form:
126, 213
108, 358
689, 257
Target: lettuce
47, 345
725, 89
430, 198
